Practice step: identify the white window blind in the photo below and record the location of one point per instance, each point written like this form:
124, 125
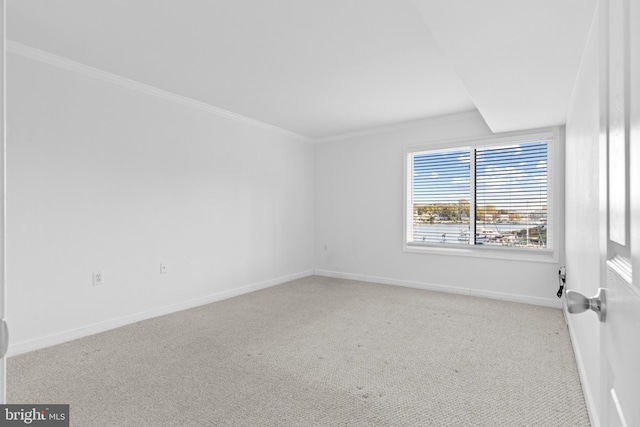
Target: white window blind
511, 190
441, 194
495, 195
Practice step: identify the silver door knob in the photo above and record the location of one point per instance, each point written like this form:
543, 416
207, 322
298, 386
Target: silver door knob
577, 303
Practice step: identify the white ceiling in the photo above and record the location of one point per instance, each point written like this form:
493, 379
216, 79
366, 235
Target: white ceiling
518, 59
326, 67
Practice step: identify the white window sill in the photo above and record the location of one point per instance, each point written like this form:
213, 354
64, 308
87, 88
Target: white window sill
480, 251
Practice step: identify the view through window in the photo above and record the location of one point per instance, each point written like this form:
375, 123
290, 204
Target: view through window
486, 195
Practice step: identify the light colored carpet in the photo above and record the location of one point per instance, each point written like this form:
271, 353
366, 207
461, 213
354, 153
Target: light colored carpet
318, 351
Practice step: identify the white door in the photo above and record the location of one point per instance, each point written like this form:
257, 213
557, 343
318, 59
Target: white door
620, 211
3, 326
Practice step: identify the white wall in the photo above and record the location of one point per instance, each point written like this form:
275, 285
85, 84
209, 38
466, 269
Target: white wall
359, 219
102, 177
582, 210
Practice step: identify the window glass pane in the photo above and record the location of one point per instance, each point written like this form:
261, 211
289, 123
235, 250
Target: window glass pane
511, 195
441, 197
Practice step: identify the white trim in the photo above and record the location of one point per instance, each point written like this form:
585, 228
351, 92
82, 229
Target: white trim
96, 73
431, 121
622, 267
518, 137
546, 302
616, 404
83, 331
592, 407
480, 251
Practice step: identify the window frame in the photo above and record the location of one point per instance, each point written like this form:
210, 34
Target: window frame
551, 255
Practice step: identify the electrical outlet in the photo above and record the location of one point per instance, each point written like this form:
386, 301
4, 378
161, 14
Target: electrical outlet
98, 278
163, 268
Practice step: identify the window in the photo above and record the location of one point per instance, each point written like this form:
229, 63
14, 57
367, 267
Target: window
493, 194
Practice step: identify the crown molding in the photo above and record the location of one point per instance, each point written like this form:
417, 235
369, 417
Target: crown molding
430, 121
96, 73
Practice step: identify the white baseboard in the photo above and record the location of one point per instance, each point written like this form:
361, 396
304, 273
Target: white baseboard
547, 302
83, 331
592, 407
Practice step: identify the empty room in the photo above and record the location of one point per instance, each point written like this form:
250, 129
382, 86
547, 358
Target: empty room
320, 213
